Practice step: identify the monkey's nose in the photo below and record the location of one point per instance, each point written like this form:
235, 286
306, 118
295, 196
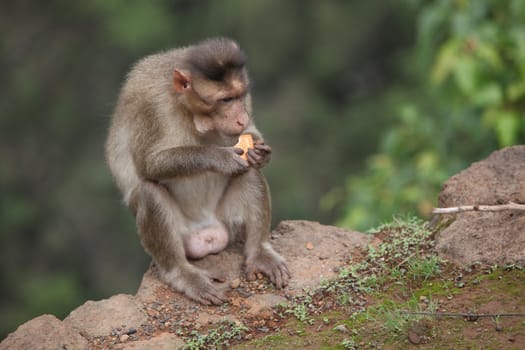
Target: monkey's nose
241, 123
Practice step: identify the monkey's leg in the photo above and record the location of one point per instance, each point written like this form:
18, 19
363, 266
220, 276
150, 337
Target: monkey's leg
247, 204
161, 227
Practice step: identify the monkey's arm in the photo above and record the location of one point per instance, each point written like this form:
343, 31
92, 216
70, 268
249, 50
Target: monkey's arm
190, 160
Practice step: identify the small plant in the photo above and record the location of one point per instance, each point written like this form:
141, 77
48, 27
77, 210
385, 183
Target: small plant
349, 344
394, 260
299, 308
344, 298
394, 321
497, 323
216, 338
424, 268
299, 311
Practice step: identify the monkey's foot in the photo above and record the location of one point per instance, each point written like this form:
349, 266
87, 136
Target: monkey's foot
270, 264
197, 285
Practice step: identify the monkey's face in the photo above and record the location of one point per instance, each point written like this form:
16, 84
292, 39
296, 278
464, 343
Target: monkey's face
218, 106
230, 116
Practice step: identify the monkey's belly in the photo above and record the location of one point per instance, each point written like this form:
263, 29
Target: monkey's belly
198, 196
205, 241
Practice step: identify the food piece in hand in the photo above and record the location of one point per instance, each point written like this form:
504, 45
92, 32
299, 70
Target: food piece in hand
245, 142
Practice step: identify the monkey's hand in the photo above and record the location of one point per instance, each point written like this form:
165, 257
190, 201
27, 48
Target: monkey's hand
260, 155
268, 262
231, 162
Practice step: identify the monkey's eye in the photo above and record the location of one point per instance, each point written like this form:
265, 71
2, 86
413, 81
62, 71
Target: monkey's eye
227, 99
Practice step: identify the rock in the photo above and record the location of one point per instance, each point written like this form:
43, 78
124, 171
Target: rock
45, 332
294, 240
147, 291
332, 245
420, 332
98, 318
205, 319
496, 179
307, 267
341, 328
165, 341
259, 302
413, 337
487, 237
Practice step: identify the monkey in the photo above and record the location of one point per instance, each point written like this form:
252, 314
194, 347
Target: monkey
170, 151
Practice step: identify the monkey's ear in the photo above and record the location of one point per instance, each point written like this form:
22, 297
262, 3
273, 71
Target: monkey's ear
181, 81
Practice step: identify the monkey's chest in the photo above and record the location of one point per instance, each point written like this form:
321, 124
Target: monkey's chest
198, 196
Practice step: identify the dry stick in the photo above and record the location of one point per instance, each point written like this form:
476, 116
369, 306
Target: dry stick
508, 206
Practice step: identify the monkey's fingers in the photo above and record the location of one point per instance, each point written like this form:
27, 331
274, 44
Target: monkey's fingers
280, 276
278, 273
238, 150
255, 159
261, 146
244, 164
251, 275
208, 296
234, 165
216, 298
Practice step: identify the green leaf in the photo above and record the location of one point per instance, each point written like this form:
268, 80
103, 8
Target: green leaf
446, 61
516, 91
507, 128
466, 73
489, 54
488, 95
427, 162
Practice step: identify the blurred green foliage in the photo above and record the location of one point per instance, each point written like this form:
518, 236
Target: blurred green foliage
368, 106
469, 64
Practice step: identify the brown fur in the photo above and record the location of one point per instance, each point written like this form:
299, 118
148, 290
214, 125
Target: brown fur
170, 151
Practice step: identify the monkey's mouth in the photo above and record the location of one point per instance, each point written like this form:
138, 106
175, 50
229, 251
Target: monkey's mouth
230, 140
234, 134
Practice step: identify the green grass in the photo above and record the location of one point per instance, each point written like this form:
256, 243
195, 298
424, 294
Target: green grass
374, 298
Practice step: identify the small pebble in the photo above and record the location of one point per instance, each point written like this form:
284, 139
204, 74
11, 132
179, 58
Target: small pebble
131, 331
341, 328
309, 246
472, 318
263, 329
124, 338
235, 283
260, 276
413, 337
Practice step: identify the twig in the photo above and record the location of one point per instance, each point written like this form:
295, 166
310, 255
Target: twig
467, 315
508, 206
404, 261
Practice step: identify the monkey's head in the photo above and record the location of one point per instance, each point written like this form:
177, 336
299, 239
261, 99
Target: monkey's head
215, 87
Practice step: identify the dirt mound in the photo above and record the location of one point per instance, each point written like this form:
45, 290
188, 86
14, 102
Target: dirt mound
487, 237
